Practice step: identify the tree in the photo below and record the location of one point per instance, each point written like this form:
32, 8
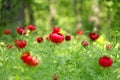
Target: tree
78, 10
28, 7
52, 13
95, 17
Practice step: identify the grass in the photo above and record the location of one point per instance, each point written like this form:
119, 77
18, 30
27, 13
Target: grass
69, 60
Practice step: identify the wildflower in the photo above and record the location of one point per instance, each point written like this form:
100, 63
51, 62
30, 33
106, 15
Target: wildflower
29, 60
93, 36
9, 46
47, 38
108, 46
24, 56
56, 29
39, 39
55, 77
21, 30
56, 37
80, 32
67, 37
84, 43
31, 27
20, 43
7, 31
105, 61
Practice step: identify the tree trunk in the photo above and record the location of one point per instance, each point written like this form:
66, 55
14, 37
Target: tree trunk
109, 17
52, 13
78, 12
12, 15
5, 12
30, 11
95, 18
1, 3
20, 17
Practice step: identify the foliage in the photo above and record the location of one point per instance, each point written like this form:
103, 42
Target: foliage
65, 16
69, 60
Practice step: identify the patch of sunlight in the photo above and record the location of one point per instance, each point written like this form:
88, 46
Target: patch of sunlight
38, 1
2, 43
17, 77
101, 40
27, 20
63, 31
64, 20
34, 42
28, 32
117, 45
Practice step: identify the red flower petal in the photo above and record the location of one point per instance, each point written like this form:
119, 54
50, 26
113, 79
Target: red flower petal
56, 29
56, 37
93, 36
80, 32
20, 43
105, 61
67, 37
84, 43
39, 39
31, 27
108, 46
7, 31
21, 30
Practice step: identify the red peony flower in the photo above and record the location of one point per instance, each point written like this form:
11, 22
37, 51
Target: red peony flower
29, 60
105, 61
31, 27
9, 46
47, 38
93, 36
20, 43
56, 37
67, 37
32, 61
84, 43
80, 32
108, 46
39, 39
56, 29
24, 56
21, 30
7, 31
55, 77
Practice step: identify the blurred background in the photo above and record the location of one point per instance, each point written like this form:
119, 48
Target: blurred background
101, 16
